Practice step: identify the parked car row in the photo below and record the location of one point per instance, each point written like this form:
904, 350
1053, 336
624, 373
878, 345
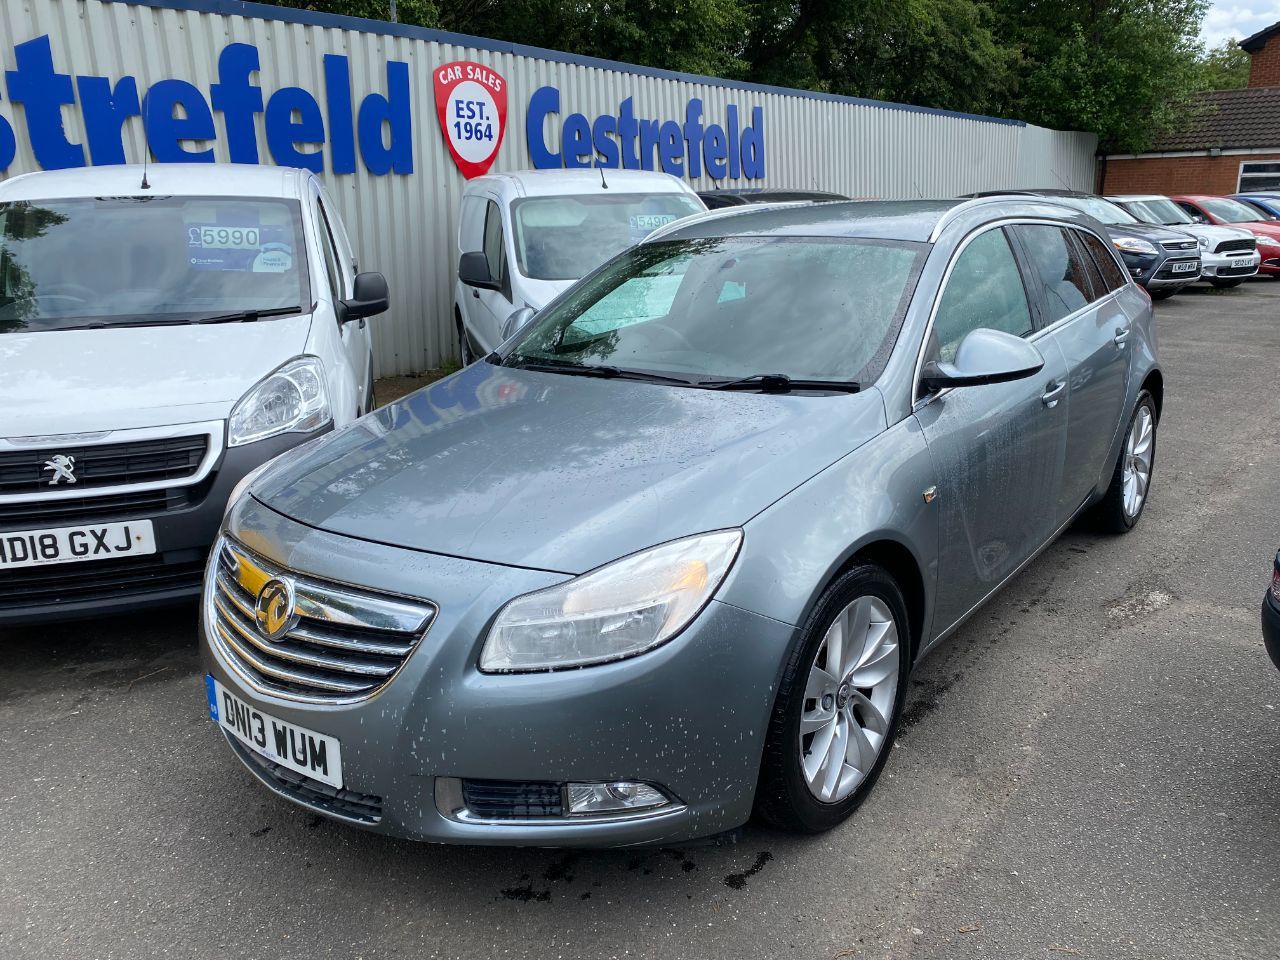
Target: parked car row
661, 557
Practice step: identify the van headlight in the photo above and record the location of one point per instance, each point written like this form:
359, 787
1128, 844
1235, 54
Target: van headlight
291, 399
619, 610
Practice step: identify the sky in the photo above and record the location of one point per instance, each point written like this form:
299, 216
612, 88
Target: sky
1237, 19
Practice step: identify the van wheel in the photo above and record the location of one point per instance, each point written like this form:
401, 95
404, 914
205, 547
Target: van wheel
838, 707
465, 355
1126, 497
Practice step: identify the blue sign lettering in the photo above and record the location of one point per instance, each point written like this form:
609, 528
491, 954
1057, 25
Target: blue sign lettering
637, 143
177, 118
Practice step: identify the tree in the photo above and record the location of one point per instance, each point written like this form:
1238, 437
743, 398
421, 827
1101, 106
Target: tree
1224, 67
939, 53
1124, 69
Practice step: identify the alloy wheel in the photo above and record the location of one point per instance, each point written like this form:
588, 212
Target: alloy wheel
849, 699
1139, 448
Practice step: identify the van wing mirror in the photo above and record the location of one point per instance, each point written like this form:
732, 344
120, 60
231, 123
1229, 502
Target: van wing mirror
984, 356
517, 321
473, 270
369, 297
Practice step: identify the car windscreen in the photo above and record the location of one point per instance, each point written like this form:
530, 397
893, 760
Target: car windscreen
1158, 211
806, 308
1101, 210
1230, 211
120, 261
565, 238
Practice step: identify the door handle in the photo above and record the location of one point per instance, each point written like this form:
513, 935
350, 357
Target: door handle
1052, 393
1122, 336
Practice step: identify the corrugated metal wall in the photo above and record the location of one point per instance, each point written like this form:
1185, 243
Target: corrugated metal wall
404, 225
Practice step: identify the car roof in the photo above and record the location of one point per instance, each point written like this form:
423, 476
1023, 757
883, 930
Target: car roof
1123, 197
552, 183
913, 220
165, 179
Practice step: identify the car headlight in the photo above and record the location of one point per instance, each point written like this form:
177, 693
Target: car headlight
1204, 242
1133, 245
1268, 242
292, 399
619, 610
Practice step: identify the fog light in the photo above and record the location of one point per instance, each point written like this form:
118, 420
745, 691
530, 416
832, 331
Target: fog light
620, 796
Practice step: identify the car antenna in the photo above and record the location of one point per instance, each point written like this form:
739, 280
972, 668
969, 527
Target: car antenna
146, 150
604, 184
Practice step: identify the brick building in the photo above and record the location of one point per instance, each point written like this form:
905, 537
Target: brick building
1233, 147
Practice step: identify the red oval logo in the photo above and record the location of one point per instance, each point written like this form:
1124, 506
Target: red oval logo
471, 102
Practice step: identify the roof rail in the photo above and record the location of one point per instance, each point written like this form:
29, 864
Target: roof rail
721, 214
967, 205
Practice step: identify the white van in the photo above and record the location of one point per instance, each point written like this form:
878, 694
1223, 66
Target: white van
526, 237
163, 333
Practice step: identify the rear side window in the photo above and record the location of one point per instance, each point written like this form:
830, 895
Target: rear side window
984, 290
1059, 266
1113, 275
1097, 286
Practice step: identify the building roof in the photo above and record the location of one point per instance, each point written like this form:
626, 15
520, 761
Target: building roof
1249, 117
1259, 40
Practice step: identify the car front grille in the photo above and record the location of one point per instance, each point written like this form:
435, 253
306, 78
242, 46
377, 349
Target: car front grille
102, 465
512, 799
1179, 244
341, 644
1237, 271
71, 511
98, 580
1236, 246
361, 807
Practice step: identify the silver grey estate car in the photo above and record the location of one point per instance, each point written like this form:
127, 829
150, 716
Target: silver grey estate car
667, 557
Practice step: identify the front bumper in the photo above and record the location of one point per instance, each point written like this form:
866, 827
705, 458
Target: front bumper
1223, 266
688, 717
1271, 627
171, 575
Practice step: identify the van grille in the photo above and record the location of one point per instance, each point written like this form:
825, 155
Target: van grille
69, 511
103, 464
343, 644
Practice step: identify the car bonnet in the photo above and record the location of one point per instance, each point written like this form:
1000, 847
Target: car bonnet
563, 473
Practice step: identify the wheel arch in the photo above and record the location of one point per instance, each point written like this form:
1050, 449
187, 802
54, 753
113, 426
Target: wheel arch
1154, 384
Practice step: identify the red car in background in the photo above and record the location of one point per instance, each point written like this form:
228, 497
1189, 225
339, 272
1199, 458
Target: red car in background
1232, 213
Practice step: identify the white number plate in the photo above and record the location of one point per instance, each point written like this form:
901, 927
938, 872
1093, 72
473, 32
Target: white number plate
99, 541
1242, 262
311, 754
1189, 266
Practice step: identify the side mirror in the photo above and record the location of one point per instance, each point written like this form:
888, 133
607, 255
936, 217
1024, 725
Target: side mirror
369, 297
473, 270
517, 321
984, 356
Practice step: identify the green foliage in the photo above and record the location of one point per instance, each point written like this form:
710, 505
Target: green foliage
1124, 69
1224, 67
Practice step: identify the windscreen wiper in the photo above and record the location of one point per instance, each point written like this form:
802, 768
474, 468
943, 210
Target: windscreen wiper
248, 316
603, 371
780, 383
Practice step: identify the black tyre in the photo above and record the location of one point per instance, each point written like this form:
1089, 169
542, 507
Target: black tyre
466, 356
1126, 497
838, 706
1224, 284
